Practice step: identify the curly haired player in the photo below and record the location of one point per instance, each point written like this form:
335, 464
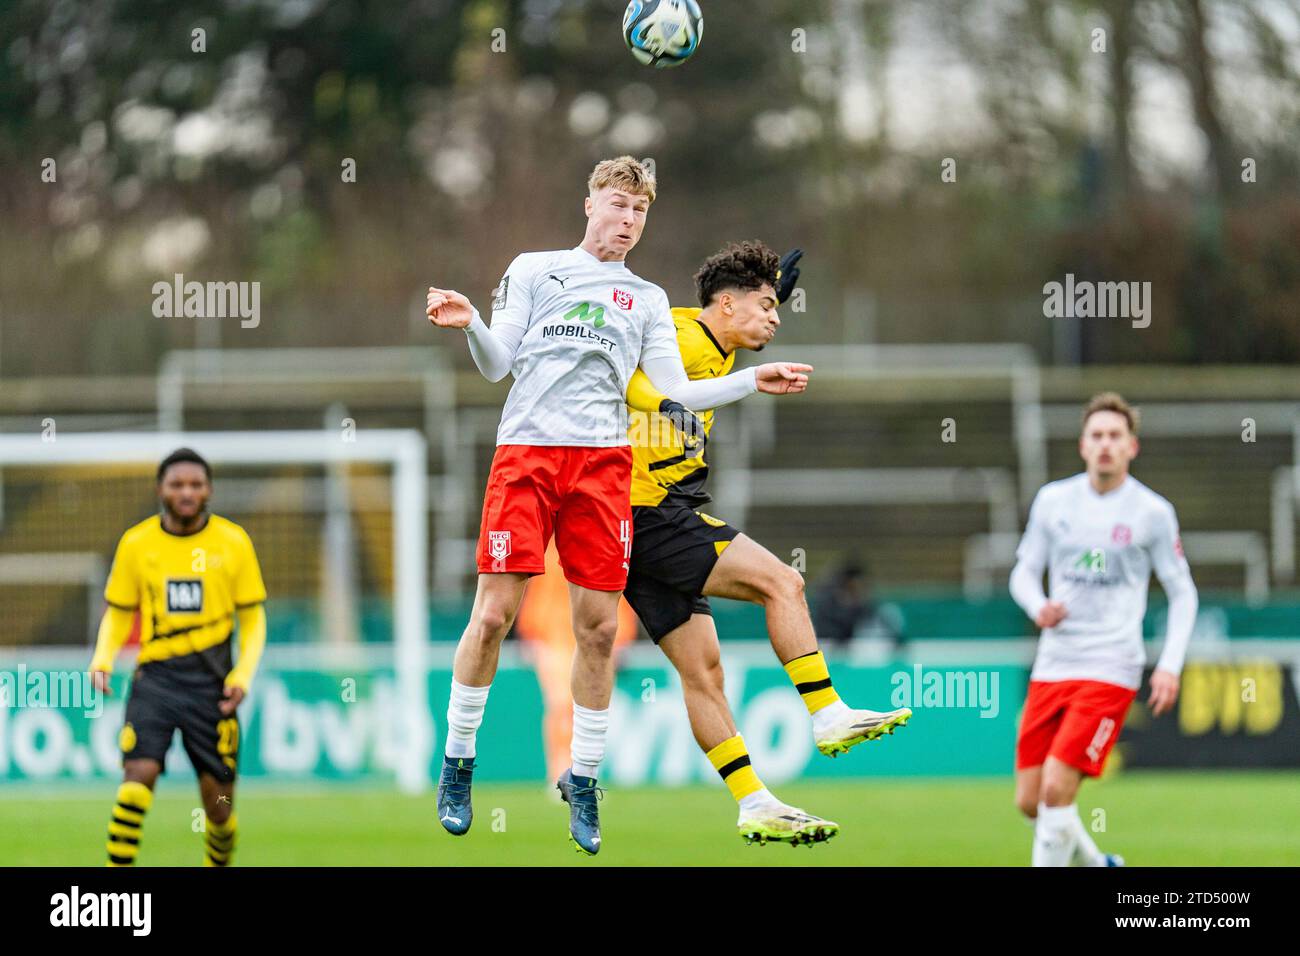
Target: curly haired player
681, 556
190, 576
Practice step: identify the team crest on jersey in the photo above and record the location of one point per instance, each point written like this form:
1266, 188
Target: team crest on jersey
1122, 535
622, 299
184, 596
499, 544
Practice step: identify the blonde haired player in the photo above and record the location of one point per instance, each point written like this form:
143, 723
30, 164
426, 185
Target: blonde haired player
544, 625
189, 576
571, 326
1100, 534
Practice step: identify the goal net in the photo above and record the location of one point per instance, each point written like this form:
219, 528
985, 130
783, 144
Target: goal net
339, 521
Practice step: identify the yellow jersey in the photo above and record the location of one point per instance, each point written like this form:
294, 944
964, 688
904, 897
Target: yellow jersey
662, 465
187, 589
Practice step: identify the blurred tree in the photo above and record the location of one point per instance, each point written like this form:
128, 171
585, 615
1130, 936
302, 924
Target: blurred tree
346, 153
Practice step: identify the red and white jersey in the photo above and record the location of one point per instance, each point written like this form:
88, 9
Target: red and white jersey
583, 326
1100, 550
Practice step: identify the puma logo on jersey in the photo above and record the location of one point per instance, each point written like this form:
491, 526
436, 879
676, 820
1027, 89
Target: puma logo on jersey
559, 280
184, 596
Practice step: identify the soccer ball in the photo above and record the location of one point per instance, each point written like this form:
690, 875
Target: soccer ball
663, 33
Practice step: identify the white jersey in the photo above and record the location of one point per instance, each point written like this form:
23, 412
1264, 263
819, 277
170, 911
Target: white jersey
585, 325
1100, 551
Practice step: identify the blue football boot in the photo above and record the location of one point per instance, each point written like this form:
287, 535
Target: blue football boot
581, 794
454, 810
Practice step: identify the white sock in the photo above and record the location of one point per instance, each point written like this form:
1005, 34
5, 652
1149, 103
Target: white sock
1054, 835
464, 715
758, 799
588, 747
1085, 851
829, 716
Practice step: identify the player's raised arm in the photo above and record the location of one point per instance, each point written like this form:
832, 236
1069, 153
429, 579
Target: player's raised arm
1175, 576
662, 362
787, 275
493, 347
1027, 576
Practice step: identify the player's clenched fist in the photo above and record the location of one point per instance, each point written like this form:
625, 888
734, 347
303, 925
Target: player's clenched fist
782, 378
1051, 614
448, 309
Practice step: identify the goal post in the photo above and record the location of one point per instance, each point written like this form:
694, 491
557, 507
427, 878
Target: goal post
403, 452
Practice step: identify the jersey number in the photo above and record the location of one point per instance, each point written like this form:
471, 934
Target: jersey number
227, 736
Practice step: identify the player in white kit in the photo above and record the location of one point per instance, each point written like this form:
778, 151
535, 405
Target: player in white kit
1100, 534
571, 325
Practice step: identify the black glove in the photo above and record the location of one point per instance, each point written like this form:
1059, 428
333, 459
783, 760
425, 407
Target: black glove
787, 275
686, 422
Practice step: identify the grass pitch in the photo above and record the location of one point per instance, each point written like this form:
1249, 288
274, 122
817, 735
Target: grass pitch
1152, 818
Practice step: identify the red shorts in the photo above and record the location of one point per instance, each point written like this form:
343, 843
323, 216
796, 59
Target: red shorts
581, 495
1075, 721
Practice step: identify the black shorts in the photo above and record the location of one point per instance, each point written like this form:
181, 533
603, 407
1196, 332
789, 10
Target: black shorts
160, 704
674, 549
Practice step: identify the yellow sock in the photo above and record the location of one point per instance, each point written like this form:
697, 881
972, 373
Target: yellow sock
731, 760
812, 680
219, 841
133, 801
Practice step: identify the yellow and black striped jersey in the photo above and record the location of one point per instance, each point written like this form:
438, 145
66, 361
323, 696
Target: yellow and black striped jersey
661, 463
187, 589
